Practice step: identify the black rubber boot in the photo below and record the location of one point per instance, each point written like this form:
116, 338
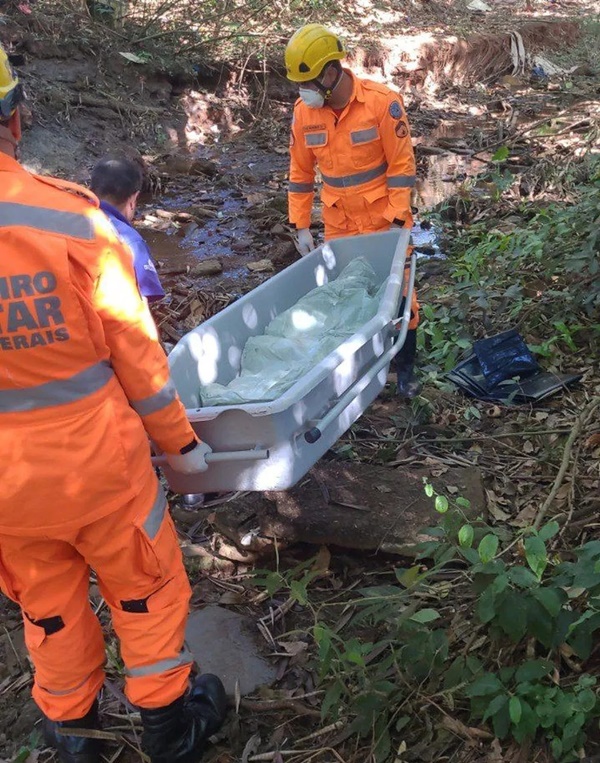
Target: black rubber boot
407, 384
178, 732
74, 749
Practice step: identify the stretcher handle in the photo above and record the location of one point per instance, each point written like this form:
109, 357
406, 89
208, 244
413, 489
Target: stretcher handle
224, 455
315, 432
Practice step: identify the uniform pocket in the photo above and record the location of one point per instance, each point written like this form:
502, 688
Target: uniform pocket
34, 634
365, 146
333, 212
376, 202
157, 539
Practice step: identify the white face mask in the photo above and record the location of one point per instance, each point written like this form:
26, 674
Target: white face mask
312, 98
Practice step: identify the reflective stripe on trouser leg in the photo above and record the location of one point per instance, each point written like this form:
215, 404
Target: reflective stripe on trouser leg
141, 576
50, 581
157, 662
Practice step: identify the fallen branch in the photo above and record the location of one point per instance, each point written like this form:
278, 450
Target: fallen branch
326, 730
105, 736
510, 139
277, 754
576, 431
496, 435
265, 756
466, 732
93, 101
262, 706
275, 615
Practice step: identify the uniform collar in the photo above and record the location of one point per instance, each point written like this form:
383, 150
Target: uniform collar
357, 93
108, 209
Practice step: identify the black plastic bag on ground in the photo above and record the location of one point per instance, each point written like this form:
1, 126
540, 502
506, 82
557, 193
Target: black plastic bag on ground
503, 369
504, 356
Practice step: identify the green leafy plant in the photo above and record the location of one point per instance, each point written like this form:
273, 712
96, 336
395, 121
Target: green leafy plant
530, 598
295, 581
541, 273
524, 701
399, 643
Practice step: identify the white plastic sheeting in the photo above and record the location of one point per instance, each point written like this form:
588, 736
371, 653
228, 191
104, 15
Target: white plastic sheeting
297, 339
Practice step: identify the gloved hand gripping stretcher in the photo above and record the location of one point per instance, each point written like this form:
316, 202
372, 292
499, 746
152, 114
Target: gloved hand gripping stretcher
271, 445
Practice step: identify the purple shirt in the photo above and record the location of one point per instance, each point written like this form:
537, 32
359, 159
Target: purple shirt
145, 271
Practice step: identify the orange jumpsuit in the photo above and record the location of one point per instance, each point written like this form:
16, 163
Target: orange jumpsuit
366, 160
83, 382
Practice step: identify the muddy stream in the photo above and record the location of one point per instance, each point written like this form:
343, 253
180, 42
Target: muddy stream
238, 216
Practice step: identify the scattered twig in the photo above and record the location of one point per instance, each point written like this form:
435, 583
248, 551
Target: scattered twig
12, 646
496, 435
326, 730
276, 754
570, 499
267, 706
266, 756
106, 736
461, 729
266, 634
510, 139
576, 431
119, 696
275, 615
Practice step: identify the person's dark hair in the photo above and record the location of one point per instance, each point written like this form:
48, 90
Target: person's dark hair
116, 178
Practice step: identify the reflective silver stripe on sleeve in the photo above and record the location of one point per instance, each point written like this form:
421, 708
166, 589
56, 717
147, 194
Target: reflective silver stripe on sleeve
155, 402
401, 181
59, 392
157, 513
347, 181
301, 187
49, 220
162, 666
364, 136
316, 138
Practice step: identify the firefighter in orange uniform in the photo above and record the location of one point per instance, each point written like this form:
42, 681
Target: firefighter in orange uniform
83, 383
356, 133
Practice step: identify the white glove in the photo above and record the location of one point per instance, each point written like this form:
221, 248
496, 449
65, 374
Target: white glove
192, 462
305, 241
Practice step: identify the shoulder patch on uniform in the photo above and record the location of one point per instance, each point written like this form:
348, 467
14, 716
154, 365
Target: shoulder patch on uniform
401, 130
395, 110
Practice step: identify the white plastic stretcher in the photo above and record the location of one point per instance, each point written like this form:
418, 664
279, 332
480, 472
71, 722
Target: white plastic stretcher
271, 445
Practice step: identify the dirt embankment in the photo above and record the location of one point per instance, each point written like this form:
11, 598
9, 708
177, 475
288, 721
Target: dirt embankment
91, 94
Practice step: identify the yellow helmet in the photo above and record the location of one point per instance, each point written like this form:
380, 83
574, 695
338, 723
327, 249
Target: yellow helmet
309, 49
11, 92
